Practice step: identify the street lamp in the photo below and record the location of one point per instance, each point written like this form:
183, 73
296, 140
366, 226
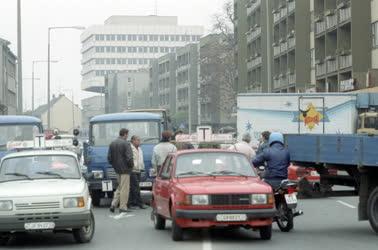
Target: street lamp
32, 79
48, 67
33, 64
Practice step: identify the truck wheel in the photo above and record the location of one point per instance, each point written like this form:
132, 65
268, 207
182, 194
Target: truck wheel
177, 231
96, 196
85, 234
266, 232
372, 209
159, 221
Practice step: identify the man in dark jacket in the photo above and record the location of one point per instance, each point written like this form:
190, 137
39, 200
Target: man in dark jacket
277, 159
120, 156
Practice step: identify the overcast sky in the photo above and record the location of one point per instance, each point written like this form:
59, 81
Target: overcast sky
38, 15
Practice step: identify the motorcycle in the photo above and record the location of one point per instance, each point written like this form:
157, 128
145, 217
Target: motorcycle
285, 197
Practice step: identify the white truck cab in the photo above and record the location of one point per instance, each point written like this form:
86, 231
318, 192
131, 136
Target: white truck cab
44, 190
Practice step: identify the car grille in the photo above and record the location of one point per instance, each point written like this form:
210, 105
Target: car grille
230, 199
37, 217
37, 205
111, 174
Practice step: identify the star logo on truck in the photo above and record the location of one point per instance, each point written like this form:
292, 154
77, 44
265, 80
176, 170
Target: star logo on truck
248, 126
311, 117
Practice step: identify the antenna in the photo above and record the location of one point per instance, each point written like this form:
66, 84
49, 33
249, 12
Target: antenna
156, 7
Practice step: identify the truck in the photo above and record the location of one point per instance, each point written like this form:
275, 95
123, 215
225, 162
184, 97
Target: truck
165, 119
103, 129
355, 154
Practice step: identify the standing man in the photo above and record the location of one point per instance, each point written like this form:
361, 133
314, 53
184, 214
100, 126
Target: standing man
244, 147
264, 142
135, 199
120, 156
162, 150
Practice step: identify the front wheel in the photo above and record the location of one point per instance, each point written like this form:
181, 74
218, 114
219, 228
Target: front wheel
85, 234
159, 221
177, 231
372, 209
285, 218
266, 232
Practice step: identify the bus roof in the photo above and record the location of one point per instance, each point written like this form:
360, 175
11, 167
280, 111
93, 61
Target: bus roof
18, 119
125, 117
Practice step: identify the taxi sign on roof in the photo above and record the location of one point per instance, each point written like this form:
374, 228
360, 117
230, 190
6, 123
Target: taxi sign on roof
39, 142
204, 134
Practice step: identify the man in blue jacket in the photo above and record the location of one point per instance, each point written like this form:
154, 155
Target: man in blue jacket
277, 159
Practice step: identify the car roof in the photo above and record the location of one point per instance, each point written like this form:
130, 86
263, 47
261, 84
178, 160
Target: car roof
15, 119
38, 153
193, 151
126, 116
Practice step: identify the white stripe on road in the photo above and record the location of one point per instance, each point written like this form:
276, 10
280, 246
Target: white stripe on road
346, 204
206, 243
121, 216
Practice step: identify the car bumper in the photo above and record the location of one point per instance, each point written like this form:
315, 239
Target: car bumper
62, 221
207, 218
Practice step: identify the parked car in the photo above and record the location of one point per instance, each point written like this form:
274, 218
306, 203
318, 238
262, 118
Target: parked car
207, 188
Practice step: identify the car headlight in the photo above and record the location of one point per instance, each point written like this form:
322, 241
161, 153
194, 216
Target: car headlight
98, 174
259, 199
6, 205
73, 202
200, 200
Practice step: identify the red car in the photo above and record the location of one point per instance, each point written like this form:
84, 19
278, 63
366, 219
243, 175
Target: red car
211, 188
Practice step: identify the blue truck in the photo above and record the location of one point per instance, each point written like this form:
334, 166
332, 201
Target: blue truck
103, 129
17, 128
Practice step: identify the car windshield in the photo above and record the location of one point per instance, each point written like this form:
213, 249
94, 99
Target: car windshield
213, 164
104, 133
39, 167
10, 133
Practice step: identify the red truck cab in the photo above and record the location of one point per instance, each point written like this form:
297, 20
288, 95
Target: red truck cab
211, 188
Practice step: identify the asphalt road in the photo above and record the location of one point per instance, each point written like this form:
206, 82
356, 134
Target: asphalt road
327, 224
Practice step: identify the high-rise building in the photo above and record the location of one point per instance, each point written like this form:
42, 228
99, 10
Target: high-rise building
342, 44
8, 82
129, 43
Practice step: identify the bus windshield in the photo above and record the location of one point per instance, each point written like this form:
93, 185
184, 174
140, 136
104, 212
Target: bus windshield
104, 133
15, 132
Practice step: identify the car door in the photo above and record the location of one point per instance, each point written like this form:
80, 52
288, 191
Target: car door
158, 187
164, 187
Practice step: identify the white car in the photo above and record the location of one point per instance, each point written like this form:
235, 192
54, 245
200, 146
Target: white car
44, 190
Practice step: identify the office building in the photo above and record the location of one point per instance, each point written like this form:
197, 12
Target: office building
8, 80
129, 43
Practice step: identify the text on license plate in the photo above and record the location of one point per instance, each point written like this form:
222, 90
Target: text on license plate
145, 184
39, 226
291, 199
231, 217
107, 186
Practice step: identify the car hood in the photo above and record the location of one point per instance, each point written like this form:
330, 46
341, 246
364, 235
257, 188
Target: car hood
26, 188
222, 185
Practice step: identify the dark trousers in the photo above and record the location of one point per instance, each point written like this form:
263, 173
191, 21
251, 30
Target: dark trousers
135, 198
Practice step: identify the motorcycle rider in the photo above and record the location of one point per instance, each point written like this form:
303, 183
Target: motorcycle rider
277, 159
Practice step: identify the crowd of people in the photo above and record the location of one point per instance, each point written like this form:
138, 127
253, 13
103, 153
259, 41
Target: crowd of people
127, 160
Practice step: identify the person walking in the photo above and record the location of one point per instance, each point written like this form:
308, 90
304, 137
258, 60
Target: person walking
120, 156
244, 147
135, 199
162, 150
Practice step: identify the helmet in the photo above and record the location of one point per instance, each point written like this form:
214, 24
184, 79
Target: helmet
276, 137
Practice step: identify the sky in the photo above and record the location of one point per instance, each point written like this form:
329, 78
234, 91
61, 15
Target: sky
38, 15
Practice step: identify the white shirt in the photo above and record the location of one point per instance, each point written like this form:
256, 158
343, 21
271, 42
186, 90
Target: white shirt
137, 158
161, 152
245, 149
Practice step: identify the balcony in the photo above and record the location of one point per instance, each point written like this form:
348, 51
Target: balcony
283, 11
276, 16
332, 65
283, 80
249, 7
331, 21
345, 14
345, 61
276, 49
256, 61
283, 46
291, 42
321, 69
256, 32
320, 27
276, 82
249, 63
291, 77
291, 6
254, 5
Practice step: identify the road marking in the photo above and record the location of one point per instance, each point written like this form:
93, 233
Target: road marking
121, 216
206, 243
345, 204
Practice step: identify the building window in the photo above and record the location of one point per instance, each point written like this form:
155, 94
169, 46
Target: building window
375, 34
166, 38
173, 38
161, 37
119, 37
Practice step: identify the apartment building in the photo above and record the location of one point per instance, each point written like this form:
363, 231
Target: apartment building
129, 43
342, 44
374, 28
8, 82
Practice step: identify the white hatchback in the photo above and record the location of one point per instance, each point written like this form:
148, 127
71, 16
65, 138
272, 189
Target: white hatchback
44, 190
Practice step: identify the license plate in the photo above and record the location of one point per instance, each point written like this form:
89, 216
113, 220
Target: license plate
291, 199
145, 184
107, 186
39, 226
231, 217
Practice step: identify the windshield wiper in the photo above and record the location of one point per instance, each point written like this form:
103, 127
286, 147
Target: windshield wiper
20, 175
228, 172
196, 173
52, 174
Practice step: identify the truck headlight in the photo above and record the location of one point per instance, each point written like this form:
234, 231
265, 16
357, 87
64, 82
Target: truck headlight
74, 202
259, 199
200, 200
6, 205
98, 174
